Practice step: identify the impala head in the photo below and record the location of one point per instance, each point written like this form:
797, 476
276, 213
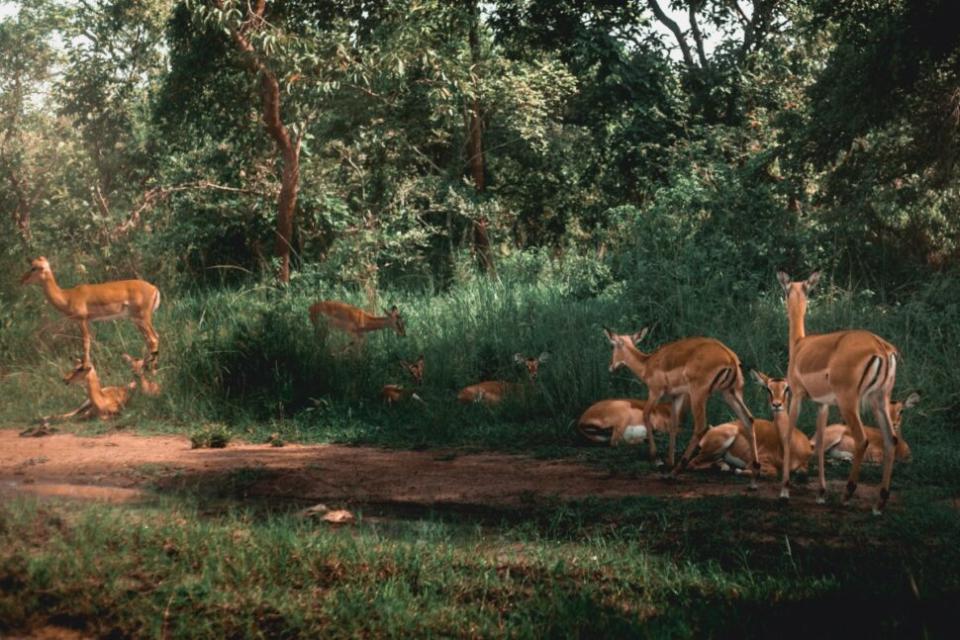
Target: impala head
395, 320
802, 288
532, 364
777, 389
39, 271
620, 342
415, 369
897, 408
136, 365
78, 374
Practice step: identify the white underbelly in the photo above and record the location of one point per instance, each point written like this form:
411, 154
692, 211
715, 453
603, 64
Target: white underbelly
830, 398
112, 316
635, 433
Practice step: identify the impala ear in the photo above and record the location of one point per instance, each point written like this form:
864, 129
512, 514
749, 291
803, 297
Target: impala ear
812, 281
759, 377
518, 357
543, 357
784, 279
612, 337
640, 335
912, 400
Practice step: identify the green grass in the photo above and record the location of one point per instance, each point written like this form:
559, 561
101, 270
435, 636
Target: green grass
648, 567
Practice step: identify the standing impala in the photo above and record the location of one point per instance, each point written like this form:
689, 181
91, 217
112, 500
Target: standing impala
687, 370
838, 440
622, 420
730, 442
844, 368
354, 321
494, 391
135, 299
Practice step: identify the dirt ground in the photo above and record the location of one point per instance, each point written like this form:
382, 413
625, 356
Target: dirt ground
118, 467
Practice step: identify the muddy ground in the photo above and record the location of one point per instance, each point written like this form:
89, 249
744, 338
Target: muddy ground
122, 467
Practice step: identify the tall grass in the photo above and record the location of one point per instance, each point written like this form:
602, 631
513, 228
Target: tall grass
249, 356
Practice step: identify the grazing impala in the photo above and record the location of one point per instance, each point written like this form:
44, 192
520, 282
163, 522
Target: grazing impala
622, 420
838, 441
844, 368
494, 391
687, 370
354, 321
729, 443
391, 393
104, 402
138, 367
135, 299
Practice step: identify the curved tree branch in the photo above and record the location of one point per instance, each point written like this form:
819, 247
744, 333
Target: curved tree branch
675, 29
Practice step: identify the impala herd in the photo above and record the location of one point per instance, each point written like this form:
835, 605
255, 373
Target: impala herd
845, 368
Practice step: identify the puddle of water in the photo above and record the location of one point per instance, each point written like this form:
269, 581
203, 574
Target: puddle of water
75, 491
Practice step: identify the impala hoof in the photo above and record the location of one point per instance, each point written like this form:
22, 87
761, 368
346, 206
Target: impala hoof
784, 495
658, 464
753, 485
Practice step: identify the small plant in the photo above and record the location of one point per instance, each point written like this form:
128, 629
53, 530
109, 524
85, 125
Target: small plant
213, 435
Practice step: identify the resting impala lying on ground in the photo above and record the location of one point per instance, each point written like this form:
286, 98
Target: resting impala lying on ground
688, 370
838, 441
729, 444
391, 393
134, 299
103, 402
621, 420
494, 391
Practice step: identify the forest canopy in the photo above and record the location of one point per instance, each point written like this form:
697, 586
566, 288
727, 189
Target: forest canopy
417, 142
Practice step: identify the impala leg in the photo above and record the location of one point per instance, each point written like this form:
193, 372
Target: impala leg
152, 340
822, 414
698, 407
784, 429
881, 412
734, 398
676, 415
85, 331
652, 399
850, 410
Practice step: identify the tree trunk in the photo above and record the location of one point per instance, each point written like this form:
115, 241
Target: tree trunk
481, 239
289, 149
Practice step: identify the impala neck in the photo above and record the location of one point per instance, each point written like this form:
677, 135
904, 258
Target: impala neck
96, 391
375, 323
796, 310
53, 292
636, 360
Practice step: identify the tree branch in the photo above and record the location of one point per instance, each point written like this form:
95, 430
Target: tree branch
675, 29
695, 6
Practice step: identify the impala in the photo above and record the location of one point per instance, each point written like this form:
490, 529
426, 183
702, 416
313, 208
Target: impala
391, 393
135, 299
729, 443
838, 441
622, 420
354, 321
687, 371
104, 402
844, 368
138, 367
494, 391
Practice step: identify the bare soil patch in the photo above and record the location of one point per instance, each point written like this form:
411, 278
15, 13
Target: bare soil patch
119, 466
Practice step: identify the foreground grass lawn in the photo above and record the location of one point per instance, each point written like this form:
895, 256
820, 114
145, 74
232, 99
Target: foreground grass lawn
191, 567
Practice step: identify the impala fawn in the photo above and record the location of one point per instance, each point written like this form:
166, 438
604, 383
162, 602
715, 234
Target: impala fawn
103, 402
